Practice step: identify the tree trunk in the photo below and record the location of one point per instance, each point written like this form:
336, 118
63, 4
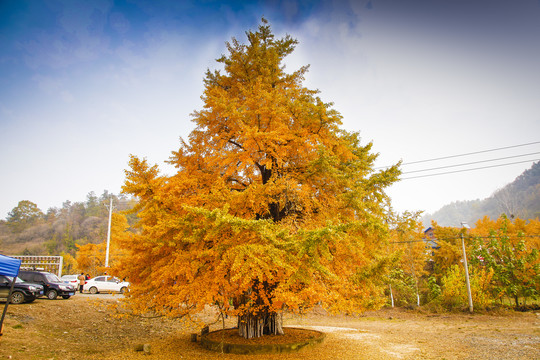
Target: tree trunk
253, 326
274, 324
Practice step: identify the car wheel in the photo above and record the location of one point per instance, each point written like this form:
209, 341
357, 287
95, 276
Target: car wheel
66, 297
52, 294
17, 297
93, 290
123, 290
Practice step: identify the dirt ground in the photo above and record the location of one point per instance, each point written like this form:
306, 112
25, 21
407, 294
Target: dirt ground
85, 327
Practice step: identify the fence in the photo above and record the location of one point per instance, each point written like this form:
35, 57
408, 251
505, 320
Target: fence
52, 264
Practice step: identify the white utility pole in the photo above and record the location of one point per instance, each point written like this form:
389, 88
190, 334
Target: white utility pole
109, 235
466, 226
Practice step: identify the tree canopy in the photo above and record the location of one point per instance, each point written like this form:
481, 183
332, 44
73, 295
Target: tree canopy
273, 205
25, 214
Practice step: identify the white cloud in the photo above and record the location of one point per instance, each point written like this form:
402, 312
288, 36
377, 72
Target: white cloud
419, 96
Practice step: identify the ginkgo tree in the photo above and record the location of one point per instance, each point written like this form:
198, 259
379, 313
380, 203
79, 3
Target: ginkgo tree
273, 205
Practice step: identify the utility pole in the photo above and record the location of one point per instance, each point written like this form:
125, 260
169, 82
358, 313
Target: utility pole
466, 226
414, 275
108, 235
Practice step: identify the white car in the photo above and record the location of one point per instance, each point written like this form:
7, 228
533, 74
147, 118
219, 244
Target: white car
71, 279
105, 283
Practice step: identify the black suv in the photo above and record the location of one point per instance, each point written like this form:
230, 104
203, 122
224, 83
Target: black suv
52, 285
22, 291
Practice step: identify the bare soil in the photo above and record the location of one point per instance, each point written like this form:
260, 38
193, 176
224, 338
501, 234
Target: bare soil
88, 327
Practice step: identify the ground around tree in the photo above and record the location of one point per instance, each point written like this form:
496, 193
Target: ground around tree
86, 327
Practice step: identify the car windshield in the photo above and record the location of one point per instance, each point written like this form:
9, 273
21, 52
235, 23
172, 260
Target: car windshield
17, 279
52, 278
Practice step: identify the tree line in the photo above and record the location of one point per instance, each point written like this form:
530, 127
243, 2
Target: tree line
503, 257
27, 230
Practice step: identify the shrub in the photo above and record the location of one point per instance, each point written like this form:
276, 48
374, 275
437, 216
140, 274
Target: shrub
454, 290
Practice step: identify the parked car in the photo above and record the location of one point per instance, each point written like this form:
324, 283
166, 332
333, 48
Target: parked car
105, 283
71, 279
52, 284
22, 291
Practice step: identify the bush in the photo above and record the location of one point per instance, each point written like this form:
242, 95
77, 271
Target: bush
403, 288
454, 289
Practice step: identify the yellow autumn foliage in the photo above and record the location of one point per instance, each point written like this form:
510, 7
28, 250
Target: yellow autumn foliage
273, 206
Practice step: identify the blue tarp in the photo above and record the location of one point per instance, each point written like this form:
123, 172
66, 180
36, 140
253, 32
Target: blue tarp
9, 266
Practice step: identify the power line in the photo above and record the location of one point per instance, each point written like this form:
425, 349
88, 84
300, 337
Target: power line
458, 171
460, 155
470, 163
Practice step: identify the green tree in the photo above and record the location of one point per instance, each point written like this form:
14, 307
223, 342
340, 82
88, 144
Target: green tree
68, 242
25, 214
93, 206
512, 251
405, 278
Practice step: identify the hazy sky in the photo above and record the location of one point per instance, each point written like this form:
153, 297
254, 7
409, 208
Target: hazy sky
83, 84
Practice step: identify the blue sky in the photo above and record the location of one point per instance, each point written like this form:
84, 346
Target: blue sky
83, 84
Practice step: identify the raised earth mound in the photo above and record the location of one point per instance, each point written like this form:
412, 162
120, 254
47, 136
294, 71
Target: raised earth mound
294, 339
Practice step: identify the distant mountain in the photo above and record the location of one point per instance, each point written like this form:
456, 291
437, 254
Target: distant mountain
521, 198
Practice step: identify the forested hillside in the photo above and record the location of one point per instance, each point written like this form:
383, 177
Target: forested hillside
521, 199
28, 230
